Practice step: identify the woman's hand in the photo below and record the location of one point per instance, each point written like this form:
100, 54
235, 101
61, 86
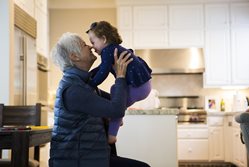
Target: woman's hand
121, 63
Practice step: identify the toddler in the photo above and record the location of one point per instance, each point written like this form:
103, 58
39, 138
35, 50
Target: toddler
105, 38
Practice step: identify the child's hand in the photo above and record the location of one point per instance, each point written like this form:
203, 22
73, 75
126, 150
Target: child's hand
121, 63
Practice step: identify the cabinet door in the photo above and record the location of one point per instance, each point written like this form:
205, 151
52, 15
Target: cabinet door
216, 148
150, 39
42, 32
149, 138
186, 25
240, 58
186, 16
218, 71
150, 27
150, 17
192, 149
125, 17
126, 36
217, 16
239, 150
185, 38
240, 15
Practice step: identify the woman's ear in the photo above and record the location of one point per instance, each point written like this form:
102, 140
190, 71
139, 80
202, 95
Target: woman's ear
73, 57
104, 39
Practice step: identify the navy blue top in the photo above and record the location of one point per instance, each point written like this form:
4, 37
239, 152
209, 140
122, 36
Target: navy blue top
79, 136
138, 72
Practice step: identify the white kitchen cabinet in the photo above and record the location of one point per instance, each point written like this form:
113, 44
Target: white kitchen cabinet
150, 39
42, 28
146, 17
125, 25
149, 138
125, 17
216, 138
240, 58
240, 15
217, 57
239, 149
217, 16
226, 44
150, 30
228, 136
186, 25
192, 143
239, 43
217, 45
126, 36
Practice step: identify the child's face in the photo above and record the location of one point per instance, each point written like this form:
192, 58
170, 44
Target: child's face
97, 43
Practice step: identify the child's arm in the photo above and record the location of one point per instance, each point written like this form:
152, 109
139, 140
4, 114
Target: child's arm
104, 68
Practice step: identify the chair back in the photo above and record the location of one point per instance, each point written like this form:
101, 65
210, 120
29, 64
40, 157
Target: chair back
20, 115
243, 120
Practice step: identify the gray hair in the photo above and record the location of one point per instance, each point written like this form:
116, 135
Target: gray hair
67, 44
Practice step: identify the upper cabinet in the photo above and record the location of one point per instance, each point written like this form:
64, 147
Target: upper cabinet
149, 29
239, 43
217, 45
185, 25
125, 25
161, 26
41, 16
220, 28
226, 39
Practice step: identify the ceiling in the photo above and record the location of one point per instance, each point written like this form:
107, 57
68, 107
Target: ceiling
79, 4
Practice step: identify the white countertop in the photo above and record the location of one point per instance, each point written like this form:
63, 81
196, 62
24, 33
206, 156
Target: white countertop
220, 113
156, 111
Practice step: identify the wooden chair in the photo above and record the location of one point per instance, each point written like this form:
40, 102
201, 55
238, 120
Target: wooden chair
21, 116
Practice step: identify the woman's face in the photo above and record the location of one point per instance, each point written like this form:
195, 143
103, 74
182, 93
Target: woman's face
97, 43
86, 58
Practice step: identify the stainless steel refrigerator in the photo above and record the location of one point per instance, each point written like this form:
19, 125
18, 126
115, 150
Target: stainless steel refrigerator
25, 62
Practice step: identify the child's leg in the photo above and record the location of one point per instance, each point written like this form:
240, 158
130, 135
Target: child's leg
138, 93
114, 125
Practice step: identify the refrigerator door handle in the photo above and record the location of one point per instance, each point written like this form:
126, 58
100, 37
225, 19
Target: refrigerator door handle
24, 70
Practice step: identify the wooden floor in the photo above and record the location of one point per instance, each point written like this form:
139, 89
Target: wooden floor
206, 164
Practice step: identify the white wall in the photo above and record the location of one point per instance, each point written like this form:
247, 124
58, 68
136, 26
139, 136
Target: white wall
77, 21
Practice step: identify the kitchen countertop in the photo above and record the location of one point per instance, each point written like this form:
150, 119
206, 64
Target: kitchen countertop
219, 113
156, 111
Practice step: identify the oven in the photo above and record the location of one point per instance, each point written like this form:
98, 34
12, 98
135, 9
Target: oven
192, 116
191, 108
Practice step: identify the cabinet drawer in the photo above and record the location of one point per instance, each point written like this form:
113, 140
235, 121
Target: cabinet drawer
193, 149
215, 121
193, 133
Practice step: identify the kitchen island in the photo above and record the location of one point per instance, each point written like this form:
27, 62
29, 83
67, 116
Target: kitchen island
149, 136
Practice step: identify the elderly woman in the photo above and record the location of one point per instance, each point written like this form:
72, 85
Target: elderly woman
79, 138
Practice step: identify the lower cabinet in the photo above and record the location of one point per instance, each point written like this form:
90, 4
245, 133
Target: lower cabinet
216, 146
216, 138
192, 143
239, 149
149, 138
218, 141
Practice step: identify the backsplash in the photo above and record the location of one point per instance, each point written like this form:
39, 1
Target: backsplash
191, 85
178, 85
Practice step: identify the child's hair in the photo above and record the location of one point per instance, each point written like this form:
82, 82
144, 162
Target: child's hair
103, 28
